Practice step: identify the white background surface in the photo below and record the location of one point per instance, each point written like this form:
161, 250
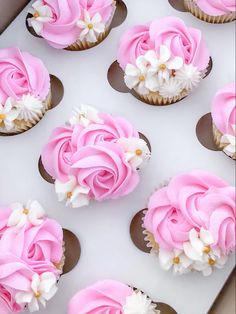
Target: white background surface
103, 229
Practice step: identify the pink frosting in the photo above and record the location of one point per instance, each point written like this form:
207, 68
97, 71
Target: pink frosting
182, 41
134, 43
103, 297
7, 302
104, 171
38, 246
4, 216
223, 109
93, 156
57, 153
193, 200
217, 8
62, 30
21, 73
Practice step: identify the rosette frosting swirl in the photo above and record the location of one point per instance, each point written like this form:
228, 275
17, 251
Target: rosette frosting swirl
216, 8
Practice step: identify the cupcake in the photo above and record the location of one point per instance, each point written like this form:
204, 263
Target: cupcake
94, 157
31, 257
223, 113
163, 61
190, 223
212, 11
110, 296
24, 91
72, 24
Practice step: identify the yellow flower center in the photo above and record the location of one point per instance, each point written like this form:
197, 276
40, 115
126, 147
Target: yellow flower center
211, 262
2, 116
36, 14
207, 249
162, 67
176, 260
90, 26
138, 152
37, 295
25, 211
69, 194
141, 78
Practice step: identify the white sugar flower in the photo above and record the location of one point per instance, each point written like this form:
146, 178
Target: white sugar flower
200, 251
29, 107
229, 141
42, 13
141, 77
188, 76
166, 64
136, 151
43, 288
33, 213
75, 195
170, 88
8, 114
85, 115
177, 259
139, 303
91, 27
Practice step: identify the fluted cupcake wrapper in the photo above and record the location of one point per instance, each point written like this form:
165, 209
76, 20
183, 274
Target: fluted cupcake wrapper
217, 136
22, 125
149, 237
84, 44
154, 98
196, 11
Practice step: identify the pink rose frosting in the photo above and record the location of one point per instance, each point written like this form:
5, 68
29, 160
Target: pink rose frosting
193, 200
216, 8
103, 297
4, 216
61, 30
183, 41
38, 246
7, 302
104, 171
20, 74
223, 109
134, 43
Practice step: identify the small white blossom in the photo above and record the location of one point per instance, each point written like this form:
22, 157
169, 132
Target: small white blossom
85, 115
33, 213
75, 195
136, 151
8, 114
29, 107
229, 141
43, 288
188, 76
139, 303
41, 13
91, 27
176, 260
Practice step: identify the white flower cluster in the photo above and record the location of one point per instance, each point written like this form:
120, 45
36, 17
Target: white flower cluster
166, 75
27, 108
139, 302
230, 143
90, 26
197, 254
43, 288
136, 153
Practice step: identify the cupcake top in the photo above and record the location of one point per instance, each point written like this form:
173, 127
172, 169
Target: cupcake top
24, 86
193, 222
164, 55
111, 297
31, 257
216, 8
94, 157
223, 113
61, 23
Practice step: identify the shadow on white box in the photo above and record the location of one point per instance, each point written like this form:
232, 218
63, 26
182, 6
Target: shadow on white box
112, 254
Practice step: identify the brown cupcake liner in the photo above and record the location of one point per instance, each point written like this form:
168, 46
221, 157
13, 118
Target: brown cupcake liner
22, 125
196, 11
84, 44
217, 136
155, 99
149, 237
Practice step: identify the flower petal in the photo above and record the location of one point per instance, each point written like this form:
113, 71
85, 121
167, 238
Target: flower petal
175, 64
164, 53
